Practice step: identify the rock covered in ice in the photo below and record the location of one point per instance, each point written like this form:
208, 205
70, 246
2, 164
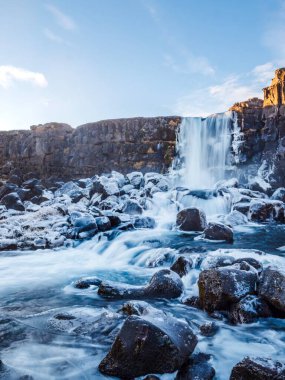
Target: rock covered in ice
272, 287
218, 231
141, 339
256, 368
132, 207
259, 184
13, 201
136, 179
248, 309
163, 284
191, 219
209, 329
221, 287
235, 218
279, 194
266, 210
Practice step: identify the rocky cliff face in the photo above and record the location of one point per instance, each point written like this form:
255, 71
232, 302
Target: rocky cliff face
145, 144
260, 134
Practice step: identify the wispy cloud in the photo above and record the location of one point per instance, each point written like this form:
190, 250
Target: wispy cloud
63, 20
10, 74
219, 97
52, 36
191, 64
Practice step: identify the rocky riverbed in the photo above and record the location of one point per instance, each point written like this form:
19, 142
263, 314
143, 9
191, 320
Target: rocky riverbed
132, 276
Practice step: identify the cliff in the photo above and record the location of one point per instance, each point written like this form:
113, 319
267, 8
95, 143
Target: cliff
55, 149
261, 131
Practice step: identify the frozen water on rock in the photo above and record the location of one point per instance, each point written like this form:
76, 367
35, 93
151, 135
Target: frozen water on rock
36, 286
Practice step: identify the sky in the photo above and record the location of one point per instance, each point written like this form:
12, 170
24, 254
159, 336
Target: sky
78, 61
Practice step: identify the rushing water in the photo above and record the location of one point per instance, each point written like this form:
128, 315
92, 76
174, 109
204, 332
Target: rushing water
37, 285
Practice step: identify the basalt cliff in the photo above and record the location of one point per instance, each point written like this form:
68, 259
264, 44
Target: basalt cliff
148, 144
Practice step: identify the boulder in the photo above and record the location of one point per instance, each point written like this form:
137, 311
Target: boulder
136, 179
272, 287
163, 284
141, 339
85, 283
132, 207
248, 309
266, 210
84, 226
218, 231
235, 218
191, 219
13, 201
219, 288
144, 222
279, 194
242, 207
252, 262
252, 368
197, 368
71, 189
182, 266
209, 329
103, 223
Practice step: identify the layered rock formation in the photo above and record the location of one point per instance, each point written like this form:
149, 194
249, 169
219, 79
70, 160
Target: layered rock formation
54, 149
259, 134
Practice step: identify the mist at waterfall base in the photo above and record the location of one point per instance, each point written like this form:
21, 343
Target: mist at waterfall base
37, 285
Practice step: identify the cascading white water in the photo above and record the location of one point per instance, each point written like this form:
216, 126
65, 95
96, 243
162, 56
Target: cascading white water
202, 149
203, 146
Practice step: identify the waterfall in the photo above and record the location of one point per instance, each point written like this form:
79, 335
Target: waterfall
203, 146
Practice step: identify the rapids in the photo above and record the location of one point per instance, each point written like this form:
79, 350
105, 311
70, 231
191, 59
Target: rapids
36, 285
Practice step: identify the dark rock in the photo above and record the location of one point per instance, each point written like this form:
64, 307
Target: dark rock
141, 339
251, 261
144, 222
221, 287
266, 210
218, 231
272, 288
192, 301
13, 201
7, 189
151, 377
16, 180
191, 219
248, 309
85, 225
103, 223
182, 266
85, 283
8, 244
251, 368
209, 329
132, 207
242, 207
163, 284
197, 368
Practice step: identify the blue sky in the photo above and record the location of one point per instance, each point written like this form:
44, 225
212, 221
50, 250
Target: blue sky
80, 61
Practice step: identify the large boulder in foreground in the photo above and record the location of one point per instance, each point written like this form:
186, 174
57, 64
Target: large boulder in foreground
191, 219
163, 284
258, 369
221, 287
149, 345
219, 231
272, 288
